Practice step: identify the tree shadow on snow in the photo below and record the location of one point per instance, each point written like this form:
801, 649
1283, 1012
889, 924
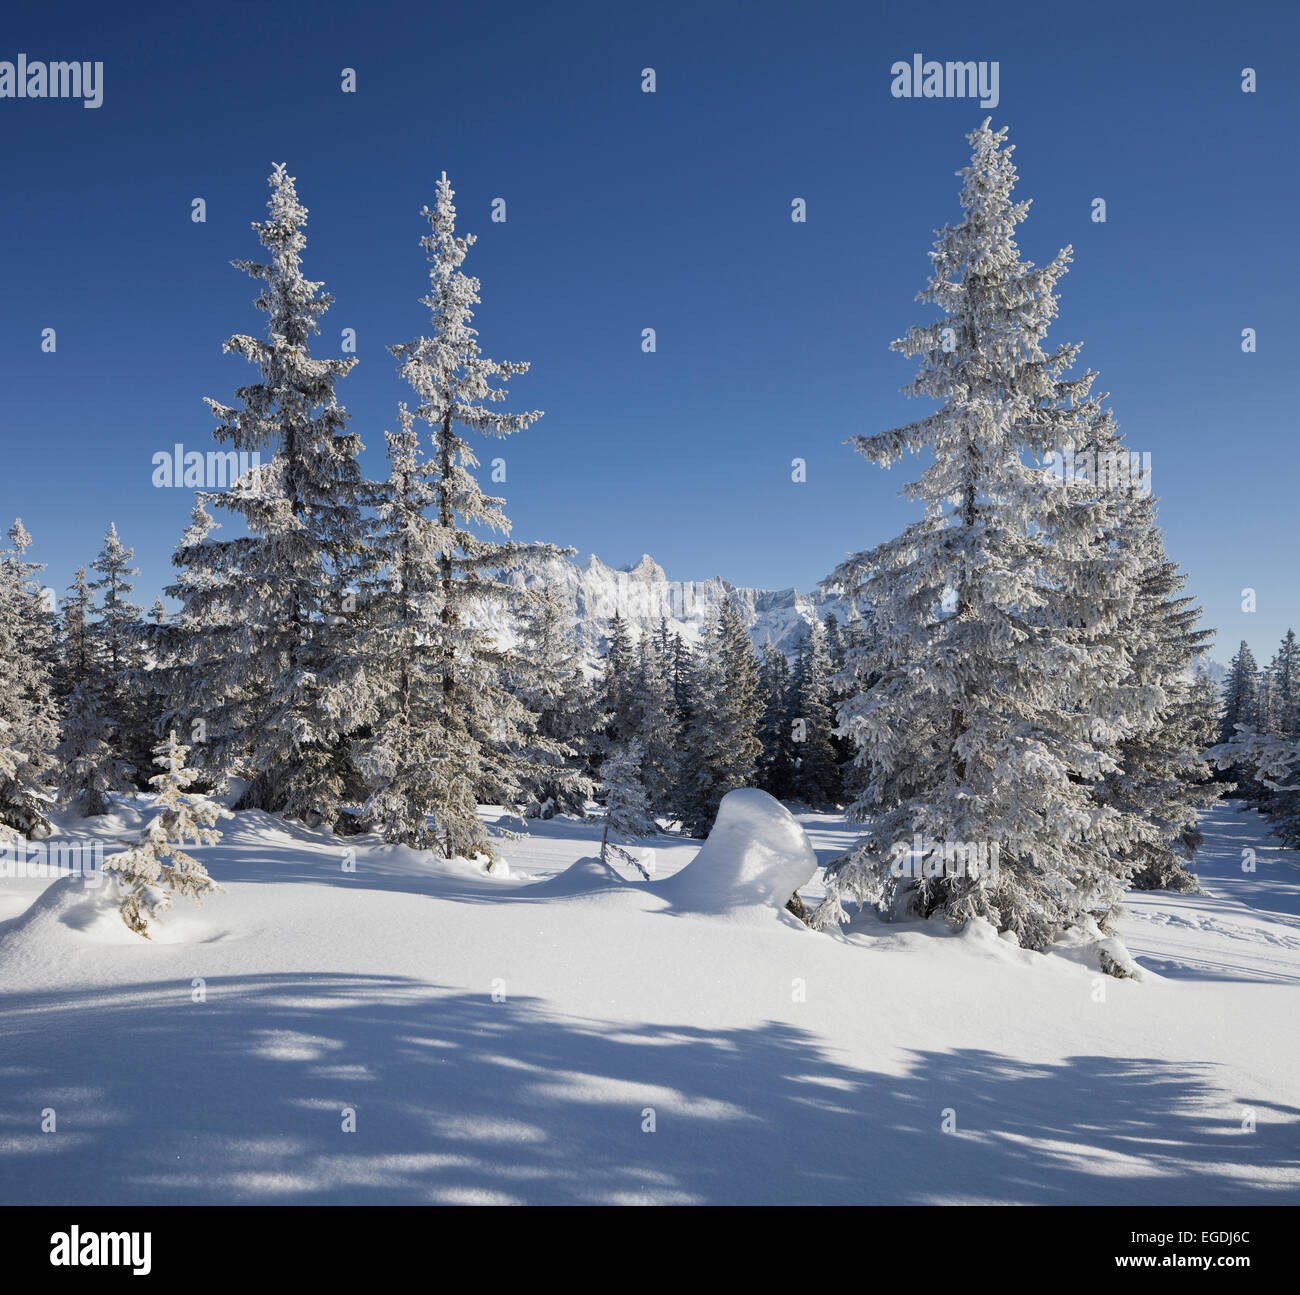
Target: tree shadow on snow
241, 1098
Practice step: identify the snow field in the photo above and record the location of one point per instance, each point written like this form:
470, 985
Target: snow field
515, 1039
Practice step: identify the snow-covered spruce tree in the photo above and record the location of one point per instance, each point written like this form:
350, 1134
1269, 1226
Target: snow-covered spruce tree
399, 757
1267, 735
1240, 710
1280, 719
119, 663
683, 674
654, 713
76, 649
855, 633
88, 768
684, 671
1264, 705
837, 647
1001, 694
619, 683
105, 739
183, 655
834, 641
270, 652
567, 718
29, 720
627, 808
155, 679
1282, 716
1161, 783
775, 729
117, 631
154, 871
723, 746
1240, 694
667, 641
1286, 670
856, 675
817, 774
677, 663
1282, 808
483, 728
1203, 702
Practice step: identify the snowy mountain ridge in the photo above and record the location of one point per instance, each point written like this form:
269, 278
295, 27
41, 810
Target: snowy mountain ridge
1205, 667
642, 595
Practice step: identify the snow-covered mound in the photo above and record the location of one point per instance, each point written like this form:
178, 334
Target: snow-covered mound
70, 913
65, 901
580, 880
756, 857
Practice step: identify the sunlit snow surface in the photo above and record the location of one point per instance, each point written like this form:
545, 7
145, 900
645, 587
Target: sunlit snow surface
512, 1039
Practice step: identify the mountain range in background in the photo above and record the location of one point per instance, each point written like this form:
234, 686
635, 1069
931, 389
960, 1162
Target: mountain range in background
591, 593
1206, 668
642, 594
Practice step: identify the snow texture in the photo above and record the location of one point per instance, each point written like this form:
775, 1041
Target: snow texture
374, 990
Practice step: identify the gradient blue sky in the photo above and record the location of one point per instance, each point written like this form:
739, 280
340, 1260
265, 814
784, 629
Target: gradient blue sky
671, 211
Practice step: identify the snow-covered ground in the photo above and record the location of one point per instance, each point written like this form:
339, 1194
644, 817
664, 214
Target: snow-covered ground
516, 1038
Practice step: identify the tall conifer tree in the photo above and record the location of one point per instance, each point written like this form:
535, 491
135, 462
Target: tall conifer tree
1002, 690
482, 730
267, 612
29, 717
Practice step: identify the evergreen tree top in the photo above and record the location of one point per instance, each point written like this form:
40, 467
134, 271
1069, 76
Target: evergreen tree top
294, 405
447, 370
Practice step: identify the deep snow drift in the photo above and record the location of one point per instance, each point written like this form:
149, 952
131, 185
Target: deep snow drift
756, 857
560, 1035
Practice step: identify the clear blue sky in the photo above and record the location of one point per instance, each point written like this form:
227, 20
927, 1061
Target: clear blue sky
672, 211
